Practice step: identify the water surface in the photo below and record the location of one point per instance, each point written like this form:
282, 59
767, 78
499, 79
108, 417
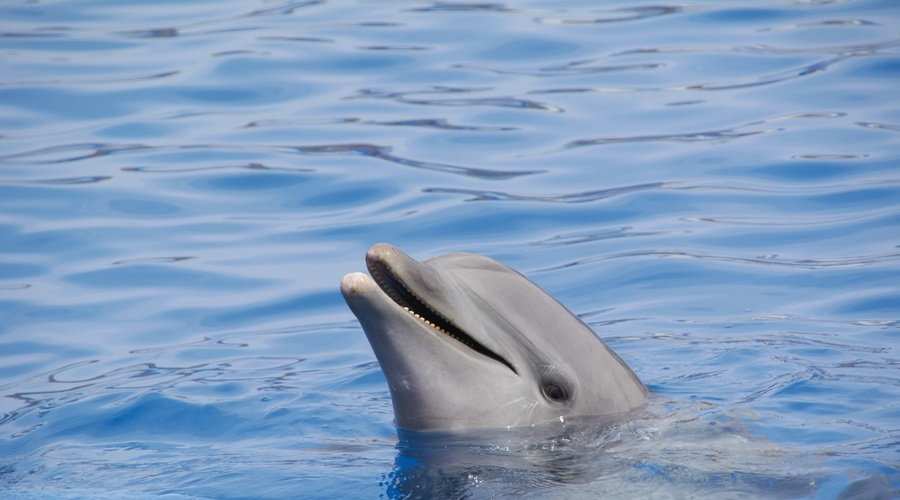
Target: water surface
712, 186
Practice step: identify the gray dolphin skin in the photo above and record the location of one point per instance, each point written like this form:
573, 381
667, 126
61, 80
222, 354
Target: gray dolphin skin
466, 342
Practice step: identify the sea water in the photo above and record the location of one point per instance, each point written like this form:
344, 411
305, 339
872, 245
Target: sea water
713, 186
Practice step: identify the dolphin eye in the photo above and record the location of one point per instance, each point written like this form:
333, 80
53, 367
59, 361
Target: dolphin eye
555, 392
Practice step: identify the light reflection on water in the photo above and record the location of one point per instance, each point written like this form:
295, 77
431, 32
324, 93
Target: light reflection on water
713, 187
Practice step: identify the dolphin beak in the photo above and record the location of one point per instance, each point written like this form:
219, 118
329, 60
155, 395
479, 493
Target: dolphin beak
355, 283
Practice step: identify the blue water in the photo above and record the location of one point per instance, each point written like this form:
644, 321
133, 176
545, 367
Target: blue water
713, 186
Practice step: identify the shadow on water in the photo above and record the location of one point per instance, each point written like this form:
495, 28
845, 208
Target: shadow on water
685, 453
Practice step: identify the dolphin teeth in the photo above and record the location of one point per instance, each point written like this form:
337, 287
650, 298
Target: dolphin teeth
397, 290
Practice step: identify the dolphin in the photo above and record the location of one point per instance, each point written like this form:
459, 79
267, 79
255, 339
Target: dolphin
466, 342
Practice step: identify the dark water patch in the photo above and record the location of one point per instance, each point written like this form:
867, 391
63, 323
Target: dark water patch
135, 130
413, 97
301, 39
705, 136
18, 240
879, 303
254, 67
69, 104
625, 14
384, 153
582, 197
19, 270
348, 196
67, 181
879, 68
530, 49
301, 122
464, 7
30, 35
152, 33
253, 181
439, 123
150, 208
189, 168
14, 286
70, 181
814, 167
739, 15
157, 415
398, 48
879, 126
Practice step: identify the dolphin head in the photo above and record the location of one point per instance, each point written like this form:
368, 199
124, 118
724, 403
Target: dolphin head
466, 342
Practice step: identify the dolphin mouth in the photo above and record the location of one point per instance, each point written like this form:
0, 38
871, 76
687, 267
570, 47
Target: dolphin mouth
397, 291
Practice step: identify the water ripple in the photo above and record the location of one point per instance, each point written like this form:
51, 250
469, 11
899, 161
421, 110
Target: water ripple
410, 97
188, 168
148, 376
768, 260
582, 67
879, 126
66, 181
844, 53
712, 185
191, 31
296, 39
599, 194
90, 81
153, 260
464, 7
280, 122
719, 135
283, 9
441, 124
582, 197
782, 220
819, 24
624, 14
622, 232
383, 153
83, 151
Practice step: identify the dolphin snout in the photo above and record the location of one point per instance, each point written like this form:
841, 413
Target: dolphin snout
354, 283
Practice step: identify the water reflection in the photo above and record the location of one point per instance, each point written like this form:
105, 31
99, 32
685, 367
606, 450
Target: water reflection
584, 458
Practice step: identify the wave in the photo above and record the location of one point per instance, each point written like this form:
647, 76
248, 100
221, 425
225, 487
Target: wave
768, 260
600, 194
841, 54
82, 151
